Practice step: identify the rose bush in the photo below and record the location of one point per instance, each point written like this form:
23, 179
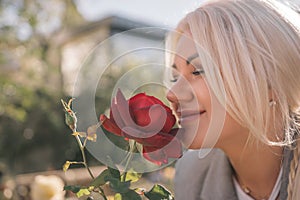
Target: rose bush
143, 123
146, 120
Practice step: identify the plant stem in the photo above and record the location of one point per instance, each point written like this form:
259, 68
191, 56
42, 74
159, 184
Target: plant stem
83, 155
102, 193
85, 163
126, 165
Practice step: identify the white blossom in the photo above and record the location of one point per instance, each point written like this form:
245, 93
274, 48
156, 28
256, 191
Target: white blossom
47, 188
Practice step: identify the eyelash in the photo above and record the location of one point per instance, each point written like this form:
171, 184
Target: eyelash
173, 80
197, 72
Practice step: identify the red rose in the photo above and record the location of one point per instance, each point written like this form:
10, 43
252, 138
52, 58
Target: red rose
142, 118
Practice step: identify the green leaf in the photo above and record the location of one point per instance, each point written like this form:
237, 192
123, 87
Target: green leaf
78, 190
118, 196
158, 192
129, 195
66, 166
82, 192
132, 176
113, 170
114, 173
101, 178
117, 186
92, 132
117, 140
80, 134
72, 188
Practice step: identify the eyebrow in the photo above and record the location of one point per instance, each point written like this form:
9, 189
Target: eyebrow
188, 60
192, 57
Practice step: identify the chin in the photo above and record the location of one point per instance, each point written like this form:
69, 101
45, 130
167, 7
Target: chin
191, 145
194, 146
192, 139
199, 144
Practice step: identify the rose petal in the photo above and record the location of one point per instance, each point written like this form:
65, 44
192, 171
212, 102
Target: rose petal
139, 106
140, 101
158, 140
154, 140
156, 112
143, 118
151, 119
110, 126
133, 133
171, 120
123, 110
173, 149
115, 114
160, 156
157, 157
149, 122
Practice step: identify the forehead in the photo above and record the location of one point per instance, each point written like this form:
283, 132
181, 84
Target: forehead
185, 47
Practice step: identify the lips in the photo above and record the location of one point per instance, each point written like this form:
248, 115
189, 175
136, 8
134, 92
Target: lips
189, 115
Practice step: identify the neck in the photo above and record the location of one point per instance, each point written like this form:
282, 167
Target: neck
256, 166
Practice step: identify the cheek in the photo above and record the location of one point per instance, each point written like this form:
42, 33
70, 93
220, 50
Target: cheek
202, 93
213, 126
197, 132
216, 127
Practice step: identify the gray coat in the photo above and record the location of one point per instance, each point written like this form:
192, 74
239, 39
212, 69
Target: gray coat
210, 178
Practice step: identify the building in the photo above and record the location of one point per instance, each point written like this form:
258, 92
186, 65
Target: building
96, 45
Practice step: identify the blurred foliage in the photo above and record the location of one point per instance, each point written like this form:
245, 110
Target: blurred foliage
32, 133
33, 136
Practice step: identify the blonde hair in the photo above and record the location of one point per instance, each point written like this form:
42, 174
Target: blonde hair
255, 45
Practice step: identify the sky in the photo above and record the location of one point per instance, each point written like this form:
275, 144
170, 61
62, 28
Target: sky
155, 12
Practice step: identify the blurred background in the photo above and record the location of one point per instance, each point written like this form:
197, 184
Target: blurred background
42, 46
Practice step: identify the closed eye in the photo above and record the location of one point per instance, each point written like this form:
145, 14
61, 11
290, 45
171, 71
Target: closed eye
174, 79
198, 72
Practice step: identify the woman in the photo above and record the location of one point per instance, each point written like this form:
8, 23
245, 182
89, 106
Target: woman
236, 88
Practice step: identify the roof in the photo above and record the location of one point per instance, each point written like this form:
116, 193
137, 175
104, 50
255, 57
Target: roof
116, 24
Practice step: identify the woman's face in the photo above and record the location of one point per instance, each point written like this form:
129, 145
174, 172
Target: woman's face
204, 120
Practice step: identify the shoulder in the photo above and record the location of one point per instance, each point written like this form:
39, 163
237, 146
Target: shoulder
206, 157
197, 178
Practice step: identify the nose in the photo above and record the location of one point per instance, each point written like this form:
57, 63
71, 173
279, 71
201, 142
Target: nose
180, 91
171, 96
174, 103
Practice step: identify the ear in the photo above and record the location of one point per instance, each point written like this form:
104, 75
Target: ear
272, 98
